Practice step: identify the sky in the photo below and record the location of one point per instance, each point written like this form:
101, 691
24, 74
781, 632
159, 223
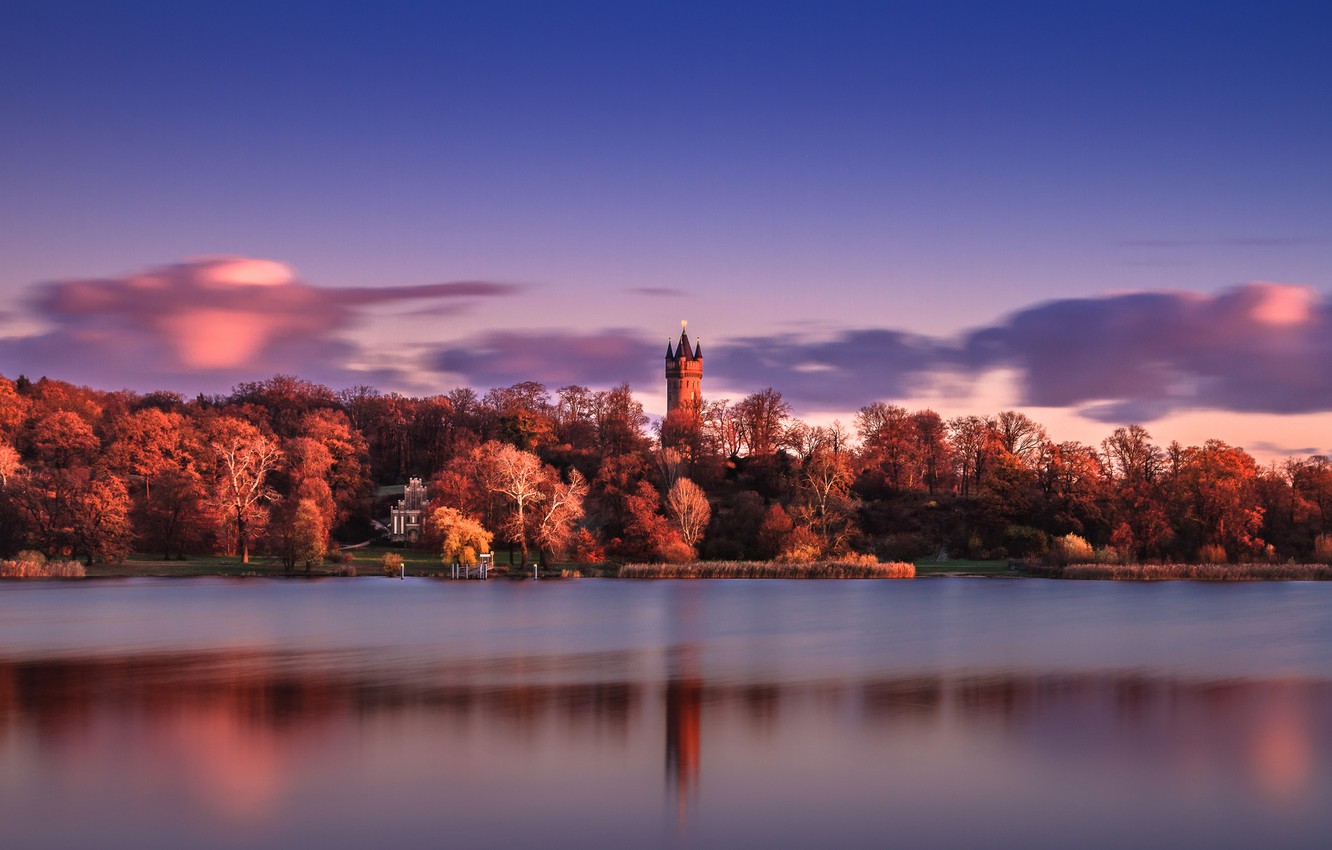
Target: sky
1099, 213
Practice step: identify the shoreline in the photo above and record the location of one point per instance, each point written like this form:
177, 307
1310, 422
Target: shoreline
418, 566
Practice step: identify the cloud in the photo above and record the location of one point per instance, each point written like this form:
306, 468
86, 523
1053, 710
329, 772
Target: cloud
1132, 357
1128, 357
849, 370
656, 291
206, 322
1261, 347
1279, 450
1225, 242
598, 359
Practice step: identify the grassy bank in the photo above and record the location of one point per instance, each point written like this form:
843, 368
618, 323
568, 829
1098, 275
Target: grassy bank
1200, 572
765, 569
964, 567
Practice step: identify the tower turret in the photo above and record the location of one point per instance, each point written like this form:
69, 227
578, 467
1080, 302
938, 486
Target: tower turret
684, 375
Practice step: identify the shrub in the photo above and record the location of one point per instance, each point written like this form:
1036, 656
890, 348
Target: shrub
802, 547
41, 569
1070, 549
391, 563
1108, 555
1210, 553
1323, 549
1024, 540
675, 551
902, 546
586, 549
860, 568
1201, 572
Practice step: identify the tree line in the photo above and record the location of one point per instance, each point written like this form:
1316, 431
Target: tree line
292, 468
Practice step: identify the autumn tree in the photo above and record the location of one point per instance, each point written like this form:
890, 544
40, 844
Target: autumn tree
619, 422
60, 439
347, 470
972, 441
573, 417
774, 532
1134, 468
1215, 490
77, 511
13, 409
648, 535
522, 414
1311, 481
761, 421
177, 517
147, 443
1073, 488
933, 453
285, 399
890, 443
309, 533
457, 537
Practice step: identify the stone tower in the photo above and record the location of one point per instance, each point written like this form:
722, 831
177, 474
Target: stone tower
684, 375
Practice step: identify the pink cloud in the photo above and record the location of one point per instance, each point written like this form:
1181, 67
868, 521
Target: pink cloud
206, 322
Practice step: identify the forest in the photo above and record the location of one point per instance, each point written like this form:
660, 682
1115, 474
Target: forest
293, 469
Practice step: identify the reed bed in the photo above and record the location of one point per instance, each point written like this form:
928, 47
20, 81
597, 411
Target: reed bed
41, 569
1200, 572
767, 569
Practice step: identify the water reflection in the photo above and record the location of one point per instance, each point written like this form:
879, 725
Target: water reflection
414, 714
236, 735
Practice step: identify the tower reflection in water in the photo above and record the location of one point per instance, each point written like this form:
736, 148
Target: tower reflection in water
684, 710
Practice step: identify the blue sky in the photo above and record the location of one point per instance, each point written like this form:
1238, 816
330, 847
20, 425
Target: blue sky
787, 176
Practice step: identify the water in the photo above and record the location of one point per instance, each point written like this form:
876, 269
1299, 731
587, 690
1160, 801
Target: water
945, 712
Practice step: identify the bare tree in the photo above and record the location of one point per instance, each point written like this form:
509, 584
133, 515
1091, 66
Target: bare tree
1020, 436
824, 485
688, 507
671, 466
562, 508
518, 476
242, 459
9, 463
761, 418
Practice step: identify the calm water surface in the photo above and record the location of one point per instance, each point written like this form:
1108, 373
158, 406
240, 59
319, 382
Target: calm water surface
356, 713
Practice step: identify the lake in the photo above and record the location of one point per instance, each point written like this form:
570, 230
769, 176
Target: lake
352, 713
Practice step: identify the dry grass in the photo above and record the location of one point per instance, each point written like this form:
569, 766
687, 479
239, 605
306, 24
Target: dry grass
768, 569
41, 569
1200, 572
